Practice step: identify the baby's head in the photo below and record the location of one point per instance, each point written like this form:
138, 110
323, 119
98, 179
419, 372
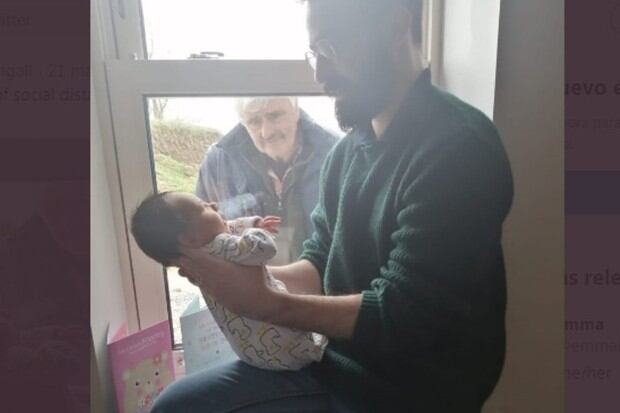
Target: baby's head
163, 222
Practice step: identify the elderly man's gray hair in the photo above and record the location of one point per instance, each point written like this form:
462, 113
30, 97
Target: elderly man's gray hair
254, 104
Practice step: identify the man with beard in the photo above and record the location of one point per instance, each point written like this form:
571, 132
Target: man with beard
404, 271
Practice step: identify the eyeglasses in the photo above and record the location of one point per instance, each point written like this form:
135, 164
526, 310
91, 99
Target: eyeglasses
322, 49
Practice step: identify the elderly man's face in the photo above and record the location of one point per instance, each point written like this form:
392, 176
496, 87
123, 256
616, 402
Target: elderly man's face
355, 63
273, 128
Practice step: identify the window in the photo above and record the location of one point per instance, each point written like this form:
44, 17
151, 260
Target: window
182, 29
154, 85
181, 130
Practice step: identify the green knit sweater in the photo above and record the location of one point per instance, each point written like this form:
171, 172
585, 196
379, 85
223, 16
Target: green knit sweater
414, 223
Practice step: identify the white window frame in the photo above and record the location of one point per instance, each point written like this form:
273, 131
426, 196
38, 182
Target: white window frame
131, 81
130, 84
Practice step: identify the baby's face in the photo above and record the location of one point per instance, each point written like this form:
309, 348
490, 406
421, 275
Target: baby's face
205, 222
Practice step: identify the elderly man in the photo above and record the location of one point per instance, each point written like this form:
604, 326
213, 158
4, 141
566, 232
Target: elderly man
268, 165
404, 271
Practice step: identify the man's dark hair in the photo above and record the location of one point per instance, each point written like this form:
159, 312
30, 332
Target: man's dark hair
374, 8
156, 228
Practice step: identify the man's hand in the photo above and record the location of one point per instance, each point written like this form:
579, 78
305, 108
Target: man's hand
269, 223
241, 289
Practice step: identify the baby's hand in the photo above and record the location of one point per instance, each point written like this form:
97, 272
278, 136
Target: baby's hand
269, 224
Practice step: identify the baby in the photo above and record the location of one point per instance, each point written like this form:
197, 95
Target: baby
164, 221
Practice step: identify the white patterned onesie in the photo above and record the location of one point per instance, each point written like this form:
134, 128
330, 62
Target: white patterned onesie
258, 343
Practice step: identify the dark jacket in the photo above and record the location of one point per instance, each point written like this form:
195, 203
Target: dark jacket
231, 174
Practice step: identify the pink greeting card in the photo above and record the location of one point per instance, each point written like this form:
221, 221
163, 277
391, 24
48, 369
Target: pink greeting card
142, 365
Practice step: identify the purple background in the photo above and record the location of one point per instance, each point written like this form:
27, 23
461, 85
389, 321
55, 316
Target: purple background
593, 199
44, 213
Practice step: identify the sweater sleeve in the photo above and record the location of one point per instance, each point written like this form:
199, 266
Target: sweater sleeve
437, 281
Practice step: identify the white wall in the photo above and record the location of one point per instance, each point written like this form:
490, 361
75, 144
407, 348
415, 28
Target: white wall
107, 296
111, 294
529, 112
97, 402
468, 51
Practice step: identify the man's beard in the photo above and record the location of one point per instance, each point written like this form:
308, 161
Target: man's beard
357, 109
359, 103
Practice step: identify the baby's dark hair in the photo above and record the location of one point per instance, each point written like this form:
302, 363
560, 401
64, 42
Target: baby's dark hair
156, 227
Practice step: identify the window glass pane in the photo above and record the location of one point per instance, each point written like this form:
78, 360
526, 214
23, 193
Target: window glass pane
266, 162
240, 29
